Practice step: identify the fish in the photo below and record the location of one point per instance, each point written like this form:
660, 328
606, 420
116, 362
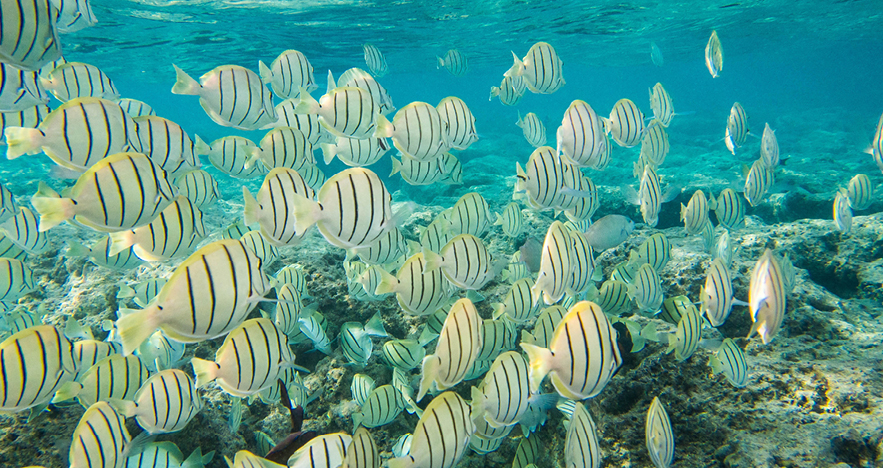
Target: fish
658, 435
122, 191
167, 144
249, 361
227, 278
246, 459
231, 95
355, 152
286, 147
417, 293
626, 123
454, 62
730, 361
361, 79
654, 144
583, 269
167, 455
36, 362
383, 405
758, 181
343, 111
20, 89
416, 172
482, 446
510, 91
174, 233
544, 327
115, 377
31, 38
294, 275
24, 231
199, 187
9, 249
231, 156
464, 260
375, 60
656, 55
541, 69
134, 107
459, 120
714, 55
581, 357
100, 438
98, 253
458, 346
860, 192
356, 343
737, 128
16, 279
555, 265
581, 448
695, 214
673, 308
612, 297
361, 387
542, 180
876, 148
143, 292
769, 147
87, 353
527, 451
308, 124
717, 294
685, 340
497, 335
728, 209
842, 212
323, 451
388, 248
314, 176
511, 220
266, 252
501, 398
646, 289
355, 190
581, 137
417, 130
533, 129
286, 315
723, 249
402, 446
441, 436
609, 231
362, 452
28, 118
470, 215
165, 403
273, 208
287, 74
77, 134
655, 250
74, 80
313, 326
518, 303
74, 15
661, 105
403, 354
650, 196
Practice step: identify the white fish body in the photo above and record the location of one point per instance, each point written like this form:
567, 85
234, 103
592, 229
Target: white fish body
695, 214
511, 220
454, 62
842, 212
272, 209
231, 95
656, 55
441, 436
581, 137
533, 129
288, 73
36, 362
766, 297
555, 265
581, 448
99, 439
626, 123
658, 435
470, 215
465, 261
417, 130
730, 360
174, 233
167, 144
458, 346
717, 294
417, 293
375, 60
459, 120
501, 398
30, 34
165, 403
541, 69
382, 406
199, 187
20, 89
714, 55
78, 80
661, 105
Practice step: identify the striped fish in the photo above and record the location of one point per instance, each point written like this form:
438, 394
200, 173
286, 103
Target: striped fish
437, 234
501, 398
344, 111
359, 283
115, 377
511, 220
541, 69
876, 148
658, 435
290, 72
527, 451
723, 249
661, 105
613, 296
313, 176
355, 152
582, 355
273, 208
417, 130
484, 430
646, 289
482, 446
266, 252
842, 212
16, 279
674, 308
74, 15
769, 147
23, 231
362, 452
325, 451
625, 271
402, 446
355, 342
313, 326
287, 312
361, 388
581, 136
582, 269
416, 172
533, 129
714, 55
375, 60
458, 346
758, 181
227, 279
650, 195
390, 247
695, 214
441, 436
100, 439
77, 134
459, 121
496, 336
359, 78
28, 118
767, 297
654, 145
293, 275
143, 292
231, 95
8, 205
87, 353
356, 191
249, 360
626, 123
717, 295
165, 403
231, 156
581, 449
174, 233
36, 362
403, 354
29, 36
730, 360
199, 187
737, 128
655, 250
556, 264
417, 293
122, 191
860, 191
99, 254
78, 80
285, 147
167, 455
383, 405
685, 340
542, 179
19, 89
510, 91
160, 353
470, 215
518, 304
166, 143
135, 108
308, 124
454, 62
464, 260
728, 209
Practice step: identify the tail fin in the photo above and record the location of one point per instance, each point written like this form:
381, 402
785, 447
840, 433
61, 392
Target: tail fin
540, 364
120, 241
265, 72
205, 371
197, 459
53, 211
135, 327
252, 207
384, 128
22, 140
185, 84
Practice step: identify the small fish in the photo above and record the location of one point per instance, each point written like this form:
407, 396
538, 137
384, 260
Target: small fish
842, 212
451, 168
674, 308
582, 355
769, 147
174, 233
510, 91
501, 398
464, 260
165, 403
737, 129
308, 124
115, 377
518, 304
282, 147
100, 438
16, 279
582, 268
87, 353
417, 130
717, 295
555, 265
74, 15
375, 60
20, 89
231, 95
655, 250
714, 55
728, 209
403, 354
533, 129
626, 123
167, 144
78, 80
685, 341
541, 69
482, 446
646, 289
730, 360
23, 230
361, 388
417, 293
581, 448
36, 362
359, 78
612, 297
470, 215
402, 445
659, 438
609, 231
383, 405
758, 181
390, 247
230, 155
290, 72
355, 152
723, 249
313, 326
458, 346
454, 62
160, 353
9, 249
511, 220
581, 137
416, 172
362, 452
31, 35
295, 276
695, 214
355, 343
650, 196
135, 108
661, 105
527, 451
441, 436
860, 192
27, 118
322, 451
314, 176
273, 209
286, 316
625, 271
876, 148
542, 180
656, 55
266, 252
344, 111
459, 120
199, 187
654, 145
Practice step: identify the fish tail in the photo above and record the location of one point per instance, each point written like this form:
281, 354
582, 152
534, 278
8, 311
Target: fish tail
329, 151
499, 310
384, 128
252, 155
306, 212
68, 391
441, 62
265, 72
396, 166
517, 67
388, 283
540, 364
76, 249
200, 147
135, 327
431, 261
715, 363
125, 408
197, 459
22, 140
120, 241
428, 374
495, 91
205, 371
185, 84
308, 104
478, 410
53, 211
252, 208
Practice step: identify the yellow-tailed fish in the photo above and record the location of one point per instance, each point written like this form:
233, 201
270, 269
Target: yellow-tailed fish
293, 275
417, 293
417, 130
581, 449
199, 187
78, 80
533, 129
758, 181
388, 248
165, 403
541, 69
230, 156
99, 254
723, 249
658, 435
695, 214
728, 209
511, 220
87, 353
655, 250
266, 252
730, 360
470, 215
717, 294
142, 292
325, 451
361, 388
714, 55
581, 136
876, 148
28, 118
842, 212
344, 111
661, 105
654, 144
586, 201
497, 335
231, 95
361, 79
685, 340
646, 289
375, 60
175, 232
583, 269
167, 455
403, 354
135, 108
382, 406
769, 147
454, 62
20, 89
501, 398
36, 362
113, 378
74, 15
650, 196
527, 451
308, 124
246, 459
441, 436
288, 73
273, 209
167, 144
555, 265
766, 294
417, 172
464, 260
626, 123
30, 35
518, 303
613, 296
542, 180
100, 439
459, 120
458, 346
362, 452
9, 249
282, 147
